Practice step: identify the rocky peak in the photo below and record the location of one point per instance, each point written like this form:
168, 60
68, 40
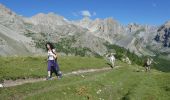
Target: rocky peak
133, 27
10, 19
5, 10
85, 22
167, 23
47, 19
163, 34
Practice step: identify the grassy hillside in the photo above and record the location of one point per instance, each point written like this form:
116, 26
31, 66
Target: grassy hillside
163, 65
24, 67
125, 83
128, 82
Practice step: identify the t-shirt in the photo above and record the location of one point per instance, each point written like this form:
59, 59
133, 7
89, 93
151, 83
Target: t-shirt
51, 55
112, 58
149, 62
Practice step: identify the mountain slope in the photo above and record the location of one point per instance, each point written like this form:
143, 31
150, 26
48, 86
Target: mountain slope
89, 34
12, 39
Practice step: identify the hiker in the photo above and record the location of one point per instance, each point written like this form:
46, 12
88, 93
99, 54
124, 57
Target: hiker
52, 62
147, 64
112, 59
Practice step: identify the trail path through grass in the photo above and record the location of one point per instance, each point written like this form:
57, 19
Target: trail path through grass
10, 83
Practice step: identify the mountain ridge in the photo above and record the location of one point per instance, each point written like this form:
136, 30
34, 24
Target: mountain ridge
92, 34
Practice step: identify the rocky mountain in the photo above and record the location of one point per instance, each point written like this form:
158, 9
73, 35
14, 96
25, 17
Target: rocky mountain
55, 28
163, 34
106, 29
11, 20
24, 34
12, 40
162, 39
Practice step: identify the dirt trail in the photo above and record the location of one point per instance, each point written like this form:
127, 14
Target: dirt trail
10, 83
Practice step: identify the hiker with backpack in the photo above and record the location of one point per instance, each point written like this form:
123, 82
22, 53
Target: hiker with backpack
147, 64
111, 59
52, 62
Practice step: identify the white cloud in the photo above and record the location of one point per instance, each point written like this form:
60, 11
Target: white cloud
86, 13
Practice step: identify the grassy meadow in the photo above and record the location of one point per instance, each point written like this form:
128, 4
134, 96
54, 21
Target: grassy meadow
35, 67
129, 82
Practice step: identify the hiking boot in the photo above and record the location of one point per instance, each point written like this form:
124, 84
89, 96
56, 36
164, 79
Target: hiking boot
59, 77
48, 78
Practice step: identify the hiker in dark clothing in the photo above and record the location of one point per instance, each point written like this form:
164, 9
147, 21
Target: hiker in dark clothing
147, 64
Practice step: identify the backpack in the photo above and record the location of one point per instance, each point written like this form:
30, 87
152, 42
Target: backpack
55, 54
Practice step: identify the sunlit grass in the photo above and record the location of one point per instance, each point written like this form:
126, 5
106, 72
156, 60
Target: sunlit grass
26, 67
124, 83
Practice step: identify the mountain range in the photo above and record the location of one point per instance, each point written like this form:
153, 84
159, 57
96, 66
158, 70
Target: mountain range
26, 35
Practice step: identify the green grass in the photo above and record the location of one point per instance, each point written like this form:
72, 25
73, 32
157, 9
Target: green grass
163, 65
128, 82
28, 67
124, 83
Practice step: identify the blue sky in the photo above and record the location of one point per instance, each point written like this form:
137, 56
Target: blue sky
153, 12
